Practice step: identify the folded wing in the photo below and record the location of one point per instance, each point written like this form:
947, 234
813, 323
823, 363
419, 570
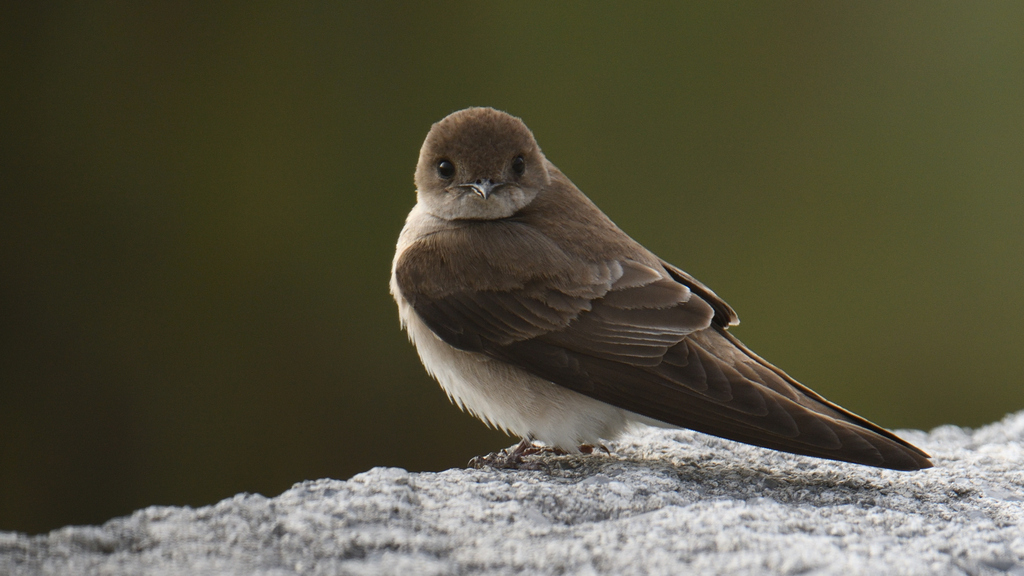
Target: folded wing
654, 342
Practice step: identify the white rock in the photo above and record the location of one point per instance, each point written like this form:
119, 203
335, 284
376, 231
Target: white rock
664, 502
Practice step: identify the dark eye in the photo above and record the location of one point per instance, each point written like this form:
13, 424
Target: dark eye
519, 165
445, 169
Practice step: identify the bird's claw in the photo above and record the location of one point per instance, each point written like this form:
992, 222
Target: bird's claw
515, 458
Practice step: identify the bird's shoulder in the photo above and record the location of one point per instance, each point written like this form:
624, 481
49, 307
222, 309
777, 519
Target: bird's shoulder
484, 256
561, 240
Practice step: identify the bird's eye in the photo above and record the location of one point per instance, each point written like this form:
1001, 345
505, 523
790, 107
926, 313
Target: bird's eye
519, 165
445, 169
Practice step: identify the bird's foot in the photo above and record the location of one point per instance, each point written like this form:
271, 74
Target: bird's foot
509, 459
515, 458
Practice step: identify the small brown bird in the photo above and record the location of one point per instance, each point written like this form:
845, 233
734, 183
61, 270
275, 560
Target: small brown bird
541, 317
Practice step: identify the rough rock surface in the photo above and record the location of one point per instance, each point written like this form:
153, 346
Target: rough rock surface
664, 502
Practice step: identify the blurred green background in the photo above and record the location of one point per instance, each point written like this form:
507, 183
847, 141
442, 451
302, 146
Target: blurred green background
200, 203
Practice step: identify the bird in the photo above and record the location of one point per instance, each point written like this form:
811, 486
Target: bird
542, 318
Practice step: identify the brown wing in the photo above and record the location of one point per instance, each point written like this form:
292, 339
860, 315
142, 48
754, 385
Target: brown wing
642, 340
725, 316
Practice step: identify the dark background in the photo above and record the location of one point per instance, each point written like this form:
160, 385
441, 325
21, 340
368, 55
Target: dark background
200, 203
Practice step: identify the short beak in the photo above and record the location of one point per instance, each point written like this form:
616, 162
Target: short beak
483, 188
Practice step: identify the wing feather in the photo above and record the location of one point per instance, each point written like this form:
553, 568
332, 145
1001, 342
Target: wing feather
654, 342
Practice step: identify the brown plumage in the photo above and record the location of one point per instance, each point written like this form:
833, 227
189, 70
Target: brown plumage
528, 304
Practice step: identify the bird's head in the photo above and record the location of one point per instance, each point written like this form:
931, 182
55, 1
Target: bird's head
479, 164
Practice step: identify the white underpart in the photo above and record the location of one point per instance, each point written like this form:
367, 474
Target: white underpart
502, 395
